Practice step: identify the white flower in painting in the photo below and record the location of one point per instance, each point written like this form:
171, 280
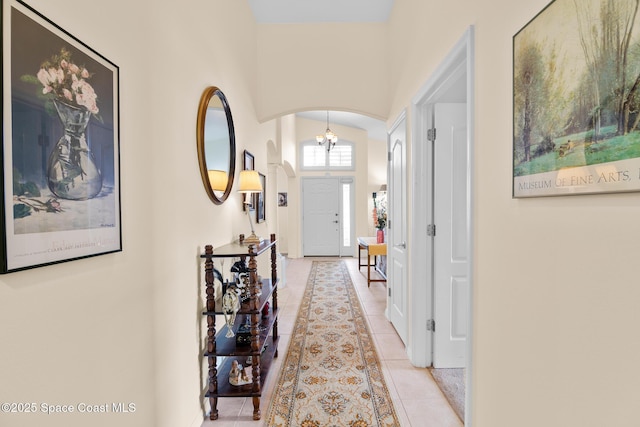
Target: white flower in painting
86, 96
67, 81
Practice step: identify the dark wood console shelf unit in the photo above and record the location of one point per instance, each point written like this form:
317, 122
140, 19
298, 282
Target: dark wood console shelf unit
264, 330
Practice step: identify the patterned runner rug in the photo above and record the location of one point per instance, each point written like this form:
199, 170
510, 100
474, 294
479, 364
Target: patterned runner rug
331, 375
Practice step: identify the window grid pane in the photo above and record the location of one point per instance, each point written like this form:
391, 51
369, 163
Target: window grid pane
313, 156
346, 215
341, 156
316, 157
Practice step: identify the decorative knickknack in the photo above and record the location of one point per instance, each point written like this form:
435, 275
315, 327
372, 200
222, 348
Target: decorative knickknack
380, 216
238, 375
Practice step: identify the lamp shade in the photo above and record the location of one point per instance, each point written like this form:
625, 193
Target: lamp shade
218, 179
249, 182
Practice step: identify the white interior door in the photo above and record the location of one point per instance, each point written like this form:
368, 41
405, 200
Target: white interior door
397, 229
451, 257
324, 217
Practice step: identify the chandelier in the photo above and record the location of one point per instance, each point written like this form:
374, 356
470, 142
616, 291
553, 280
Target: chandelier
329, 138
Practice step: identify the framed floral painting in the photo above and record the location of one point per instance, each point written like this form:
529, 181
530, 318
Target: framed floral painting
60, 193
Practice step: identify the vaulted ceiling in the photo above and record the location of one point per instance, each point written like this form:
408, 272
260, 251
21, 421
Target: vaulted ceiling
316, 11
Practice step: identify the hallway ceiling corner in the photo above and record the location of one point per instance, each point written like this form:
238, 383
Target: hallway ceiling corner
325, 11
315, 11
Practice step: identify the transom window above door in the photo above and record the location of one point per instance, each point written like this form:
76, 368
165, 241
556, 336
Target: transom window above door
316, 157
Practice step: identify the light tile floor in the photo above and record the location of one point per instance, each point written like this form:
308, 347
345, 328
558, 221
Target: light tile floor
417, 399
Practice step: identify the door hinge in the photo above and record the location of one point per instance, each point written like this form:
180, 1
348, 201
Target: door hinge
389, 291
431, 325
431, 134
431, 230
389, 156
388, 223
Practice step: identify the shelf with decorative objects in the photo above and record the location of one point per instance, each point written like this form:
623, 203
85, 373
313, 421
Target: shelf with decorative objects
253, 336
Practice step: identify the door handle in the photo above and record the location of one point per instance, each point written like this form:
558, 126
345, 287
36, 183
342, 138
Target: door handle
402, 245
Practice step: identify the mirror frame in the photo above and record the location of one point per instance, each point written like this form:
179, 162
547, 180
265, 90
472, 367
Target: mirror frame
208, 93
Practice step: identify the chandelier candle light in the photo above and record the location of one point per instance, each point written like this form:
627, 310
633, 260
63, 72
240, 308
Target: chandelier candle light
249, 184
329, 138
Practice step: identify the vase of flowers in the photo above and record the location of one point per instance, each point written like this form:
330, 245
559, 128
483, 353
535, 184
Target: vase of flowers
72, 172
379, 220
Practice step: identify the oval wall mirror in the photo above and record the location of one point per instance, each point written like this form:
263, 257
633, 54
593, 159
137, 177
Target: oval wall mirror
216, 144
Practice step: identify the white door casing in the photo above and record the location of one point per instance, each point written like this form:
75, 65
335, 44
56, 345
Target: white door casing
397, 228
452, 81
451, 269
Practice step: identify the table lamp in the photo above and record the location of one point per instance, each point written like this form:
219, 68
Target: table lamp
249, 184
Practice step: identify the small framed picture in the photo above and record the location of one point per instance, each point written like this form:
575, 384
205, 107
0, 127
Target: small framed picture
249, 161
282, 200
260, 199
248, 164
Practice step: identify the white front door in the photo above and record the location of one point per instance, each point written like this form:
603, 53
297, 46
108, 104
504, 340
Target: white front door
451, 257
328, 215
397, 229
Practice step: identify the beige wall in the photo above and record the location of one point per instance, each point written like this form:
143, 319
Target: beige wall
555, 279
555, 295
125, 327
307, 67
83, 332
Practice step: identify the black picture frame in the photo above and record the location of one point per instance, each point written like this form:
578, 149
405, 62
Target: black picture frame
248, 163
260, 199
60, 192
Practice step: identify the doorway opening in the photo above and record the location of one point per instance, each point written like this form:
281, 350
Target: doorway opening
328, 216
442, 212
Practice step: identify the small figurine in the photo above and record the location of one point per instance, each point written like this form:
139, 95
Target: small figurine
244, 378
234, 373
230, 307
240, 267
238, 375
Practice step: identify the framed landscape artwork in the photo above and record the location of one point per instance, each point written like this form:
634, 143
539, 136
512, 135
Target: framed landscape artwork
60, 154
576, 100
